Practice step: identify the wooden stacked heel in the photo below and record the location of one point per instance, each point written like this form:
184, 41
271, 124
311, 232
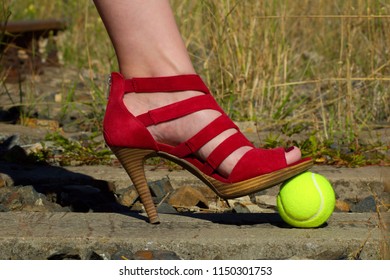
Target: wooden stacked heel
132, 161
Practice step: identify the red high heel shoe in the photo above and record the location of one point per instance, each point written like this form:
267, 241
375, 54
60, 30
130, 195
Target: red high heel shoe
128, 137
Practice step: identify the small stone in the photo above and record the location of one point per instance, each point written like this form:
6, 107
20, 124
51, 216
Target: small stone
187, 197
34, 148
218, 206
232, 202
44, 145
160, 189
31, 200
143, 255
190, 209
155, 255
368, 204
208, 193
342, 206
22, 198
122, 255
248, 207
128, 197
266, 200
241, 208
166, 208
243, 198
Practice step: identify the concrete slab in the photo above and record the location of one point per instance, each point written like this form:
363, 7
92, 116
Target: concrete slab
32, 235
27, 235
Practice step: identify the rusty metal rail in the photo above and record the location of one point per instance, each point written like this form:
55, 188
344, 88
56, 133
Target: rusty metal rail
28, 45
35, 26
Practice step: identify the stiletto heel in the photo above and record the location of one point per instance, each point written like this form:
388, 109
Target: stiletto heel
132, 161
129, 138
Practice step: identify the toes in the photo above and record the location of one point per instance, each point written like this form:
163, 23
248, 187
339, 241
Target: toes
292, 155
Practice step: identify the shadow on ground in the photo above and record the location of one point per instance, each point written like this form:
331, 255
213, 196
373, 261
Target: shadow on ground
77, 192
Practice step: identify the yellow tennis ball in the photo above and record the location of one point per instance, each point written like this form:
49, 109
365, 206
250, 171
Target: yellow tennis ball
306, 200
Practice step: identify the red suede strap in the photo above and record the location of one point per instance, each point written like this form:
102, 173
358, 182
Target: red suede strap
166, 84
220, 153
197, 141
179, 109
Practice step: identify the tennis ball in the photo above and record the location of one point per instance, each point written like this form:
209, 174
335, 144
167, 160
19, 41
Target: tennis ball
306, 200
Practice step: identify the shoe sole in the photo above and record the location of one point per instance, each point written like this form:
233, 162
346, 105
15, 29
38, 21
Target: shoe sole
242, 188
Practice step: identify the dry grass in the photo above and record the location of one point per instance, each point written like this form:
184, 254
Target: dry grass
291, 66
320, 63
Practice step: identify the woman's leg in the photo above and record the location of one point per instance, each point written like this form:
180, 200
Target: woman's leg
145, 37
147, 43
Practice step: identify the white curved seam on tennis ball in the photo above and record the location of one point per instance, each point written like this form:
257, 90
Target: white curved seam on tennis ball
321, 203
321, 196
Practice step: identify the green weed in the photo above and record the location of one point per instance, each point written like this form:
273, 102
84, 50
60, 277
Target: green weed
64, 151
